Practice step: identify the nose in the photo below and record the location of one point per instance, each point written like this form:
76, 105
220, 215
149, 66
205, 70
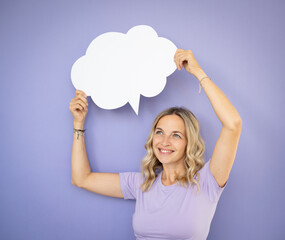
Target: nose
165, 141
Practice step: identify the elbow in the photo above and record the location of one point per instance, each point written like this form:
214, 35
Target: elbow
236, 125
74, 183
78, 181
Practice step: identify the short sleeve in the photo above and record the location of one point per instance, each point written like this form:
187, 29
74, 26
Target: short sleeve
209, 184
129, 182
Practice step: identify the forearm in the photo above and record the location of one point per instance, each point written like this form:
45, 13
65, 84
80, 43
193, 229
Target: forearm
223, 108
80, 167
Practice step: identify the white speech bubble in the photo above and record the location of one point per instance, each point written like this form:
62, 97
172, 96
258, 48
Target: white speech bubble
118, 67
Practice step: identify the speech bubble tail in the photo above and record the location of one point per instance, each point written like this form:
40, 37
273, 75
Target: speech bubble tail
135, 102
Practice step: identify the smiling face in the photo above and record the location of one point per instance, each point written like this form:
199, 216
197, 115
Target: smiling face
169, 140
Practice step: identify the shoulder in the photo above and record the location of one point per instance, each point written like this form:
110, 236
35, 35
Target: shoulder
203, 170
208, 183
129, 183
133, 178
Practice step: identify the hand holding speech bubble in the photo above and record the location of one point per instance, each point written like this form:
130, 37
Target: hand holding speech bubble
118, 67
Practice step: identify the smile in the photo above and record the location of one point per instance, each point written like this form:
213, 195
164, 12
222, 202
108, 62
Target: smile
165, 151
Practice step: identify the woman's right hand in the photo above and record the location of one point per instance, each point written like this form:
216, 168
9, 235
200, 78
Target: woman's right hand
79, 107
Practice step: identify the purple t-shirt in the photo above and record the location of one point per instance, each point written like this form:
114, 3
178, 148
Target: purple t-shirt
172, 212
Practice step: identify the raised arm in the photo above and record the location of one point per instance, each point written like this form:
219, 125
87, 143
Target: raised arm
225, 150
81, 176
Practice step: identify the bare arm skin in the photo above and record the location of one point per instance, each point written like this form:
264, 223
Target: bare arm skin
107, 184
226, 147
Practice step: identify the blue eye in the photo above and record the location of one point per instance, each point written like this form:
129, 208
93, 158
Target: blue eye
158, 132
176, 135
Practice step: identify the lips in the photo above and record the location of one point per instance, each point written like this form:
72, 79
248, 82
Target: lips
165, 151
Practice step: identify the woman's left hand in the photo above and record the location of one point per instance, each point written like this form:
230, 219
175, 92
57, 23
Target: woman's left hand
185, 58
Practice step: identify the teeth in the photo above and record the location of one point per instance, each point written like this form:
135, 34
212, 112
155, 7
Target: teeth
165, 151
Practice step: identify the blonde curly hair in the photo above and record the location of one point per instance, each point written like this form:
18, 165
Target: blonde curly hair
194, 154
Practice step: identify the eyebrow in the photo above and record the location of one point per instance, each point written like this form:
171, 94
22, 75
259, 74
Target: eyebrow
173, 131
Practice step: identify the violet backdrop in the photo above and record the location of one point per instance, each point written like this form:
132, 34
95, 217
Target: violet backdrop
239, 44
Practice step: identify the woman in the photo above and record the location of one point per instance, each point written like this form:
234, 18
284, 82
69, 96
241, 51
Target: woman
177, 194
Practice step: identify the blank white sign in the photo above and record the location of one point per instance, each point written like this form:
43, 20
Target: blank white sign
117, 68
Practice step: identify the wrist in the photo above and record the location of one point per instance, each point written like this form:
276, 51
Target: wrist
78, 125
199, 74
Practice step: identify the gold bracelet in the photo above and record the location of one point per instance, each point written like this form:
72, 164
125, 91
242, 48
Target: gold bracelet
201, 82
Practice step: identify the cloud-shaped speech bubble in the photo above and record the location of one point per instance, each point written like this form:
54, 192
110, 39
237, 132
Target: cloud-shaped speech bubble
118, 67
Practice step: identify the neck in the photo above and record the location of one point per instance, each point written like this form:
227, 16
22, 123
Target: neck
169, 175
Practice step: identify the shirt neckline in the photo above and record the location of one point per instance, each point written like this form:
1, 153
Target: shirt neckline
165, 188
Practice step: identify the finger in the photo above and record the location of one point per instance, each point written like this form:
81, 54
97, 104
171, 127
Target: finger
75, 107
179, 50
79, 106
179, 58
78, 100
178, 53
180, 62
82, 103
178, 65
177, 62
82, 98
190, 51
183, 62
80, 92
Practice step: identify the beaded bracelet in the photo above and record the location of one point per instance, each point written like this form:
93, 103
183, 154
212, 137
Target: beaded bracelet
79, 132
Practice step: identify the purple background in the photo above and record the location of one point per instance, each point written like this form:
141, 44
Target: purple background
239, 44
